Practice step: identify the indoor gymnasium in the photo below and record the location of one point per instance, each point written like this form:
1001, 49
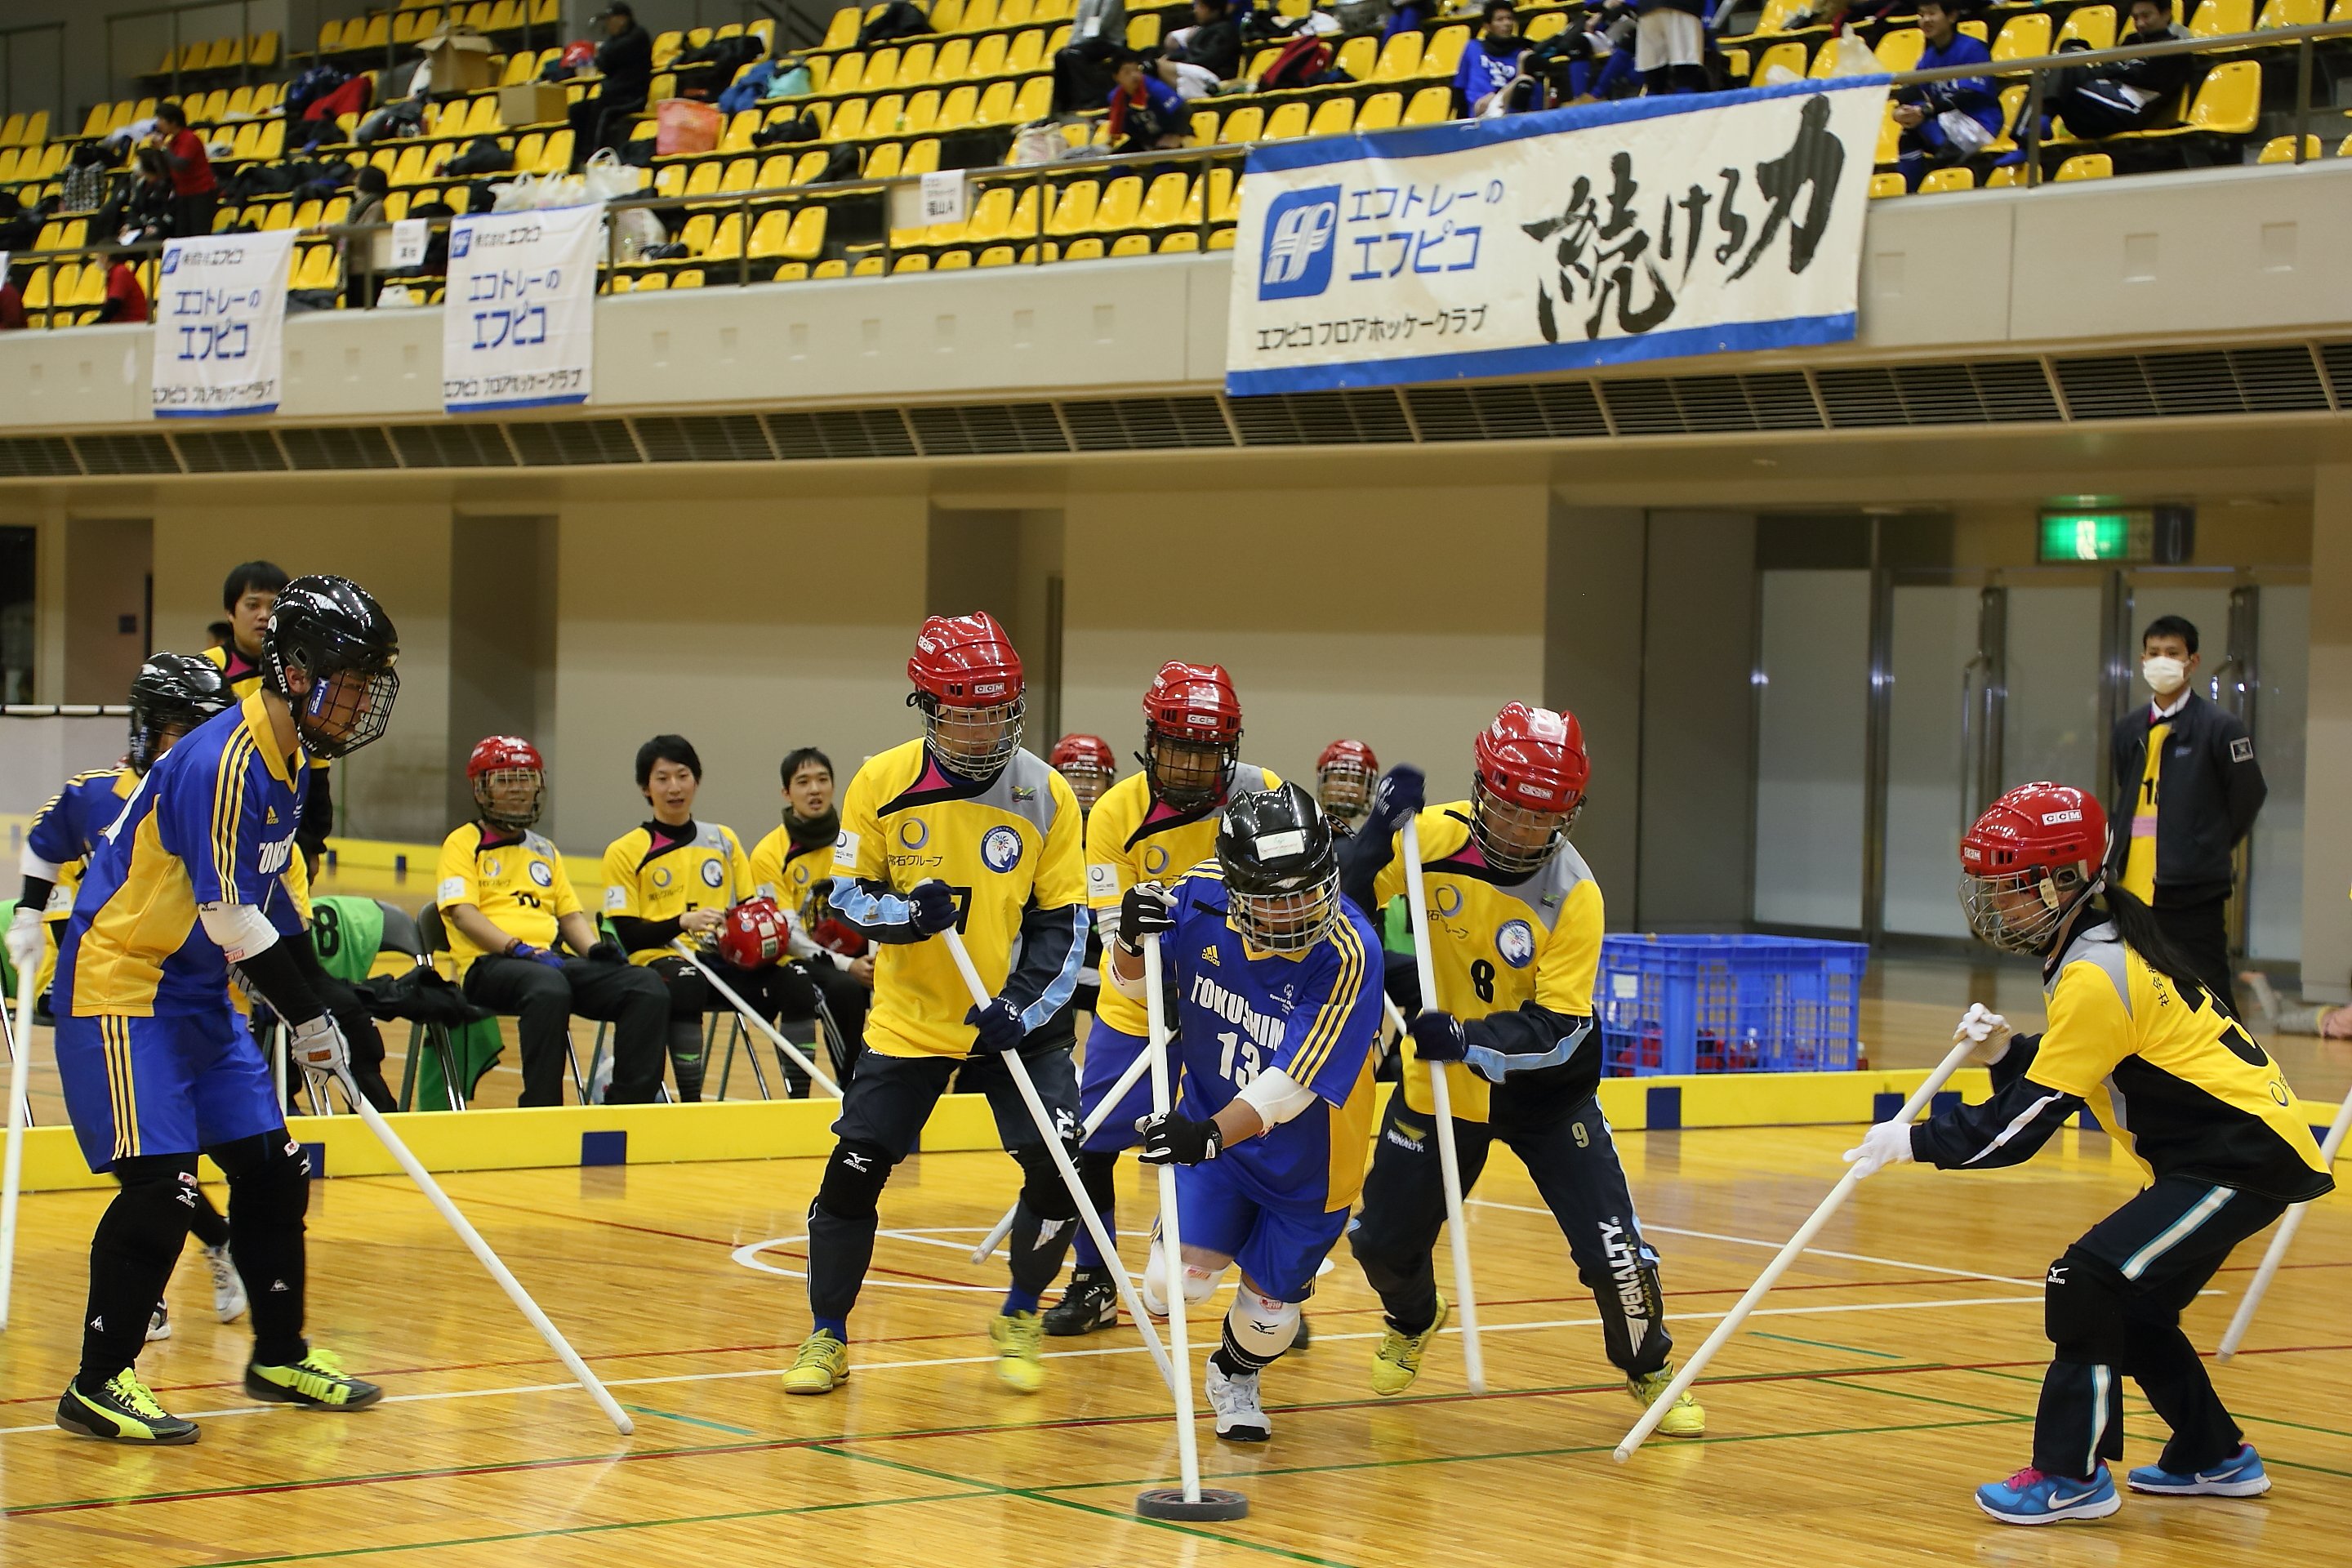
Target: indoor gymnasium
1070, 781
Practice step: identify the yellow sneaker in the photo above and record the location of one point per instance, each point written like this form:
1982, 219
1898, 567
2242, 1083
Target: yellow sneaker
1684, 1419
1398, 1361
822, 1365
1019, 1339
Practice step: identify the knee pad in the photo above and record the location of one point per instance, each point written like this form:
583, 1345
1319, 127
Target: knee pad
1041, 1185
1200, 1283
1260, 1327
2084, 1309
268, 1178
157, 1201
689, 994
854, 1178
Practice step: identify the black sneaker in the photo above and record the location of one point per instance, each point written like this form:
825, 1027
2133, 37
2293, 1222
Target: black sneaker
121, 1412
1091, 1303
318, 1379
1305, 1336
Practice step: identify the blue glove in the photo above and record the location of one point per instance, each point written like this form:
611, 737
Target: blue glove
1438, 1037
1000, 1025
934, 907
1399, 797
536, 954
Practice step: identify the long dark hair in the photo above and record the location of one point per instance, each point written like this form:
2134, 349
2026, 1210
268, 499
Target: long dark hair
2135, 923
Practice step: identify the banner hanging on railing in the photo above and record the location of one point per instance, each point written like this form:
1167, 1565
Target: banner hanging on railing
1647, 228
220, 322
518, 322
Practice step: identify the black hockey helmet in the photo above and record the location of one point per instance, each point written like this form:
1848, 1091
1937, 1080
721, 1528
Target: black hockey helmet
1281, 865
171, 694
332, 630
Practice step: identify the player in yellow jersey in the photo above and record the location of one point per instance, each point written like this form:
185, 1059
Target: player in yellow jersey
1090, 767
793, 866
505, 896
961, 828
671, 876
1515, 918
249, 595
1151, 826
2176, 1080
1344, 776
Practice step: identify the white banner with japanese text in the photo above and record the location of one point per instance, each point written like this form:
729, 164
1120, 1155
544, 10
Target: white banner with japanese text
1647, 228
220, 324
519, 316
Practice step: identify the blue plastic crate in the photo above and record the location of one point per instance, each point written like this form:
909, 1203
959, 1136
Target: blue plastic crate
1728, 1004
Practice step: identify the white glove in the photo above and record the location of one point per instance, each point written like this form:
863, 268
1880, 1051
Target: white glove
1987, 1030
318, 1046
1888, 1143
25, 942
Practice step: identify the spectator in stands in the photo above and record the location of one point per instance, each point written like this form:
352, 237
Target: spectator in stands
503, 893
1194, 59
19, 226
1146, 113
126, 298
1669, 46
194, 192
793, 866
1082, 67
1951, 121
86, 181
146, 212
12, 306
2126, 95
625, 61
370, 188
1489, 81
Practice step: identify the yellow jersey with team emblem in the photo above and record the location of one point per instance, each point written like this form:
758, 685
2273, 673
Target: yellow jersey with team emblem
655, 872
518, 885
797, 877
2183, 1087
1131, 838
1002, 847
1496, 939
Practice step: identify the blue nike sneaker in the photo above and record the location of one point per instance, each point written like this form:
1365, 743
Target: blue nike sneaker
2239, 1475
2030, 1497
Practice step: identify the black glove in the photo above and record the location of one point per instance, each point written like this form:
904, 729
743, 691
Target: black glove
1146, 910
1000, 1028
934, 907
1438, 1037
1399, 797
1177, 1139
606, 952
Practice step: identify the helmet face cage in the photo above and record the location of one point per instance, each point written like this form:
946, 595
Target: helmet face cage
1185, 771
1290, 920
346, 711
975, 742
2019, 911
1087, 779
1514, 838
510, 798
1344, 786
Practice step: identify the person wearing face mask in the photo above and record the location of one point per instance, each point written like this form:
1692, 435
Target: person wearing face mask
793, 866
2187, 791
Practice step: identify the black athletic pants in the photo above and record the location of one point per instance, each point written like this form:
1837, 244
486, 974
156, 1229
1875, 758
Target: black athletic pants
1575, 1166
2202, 933
2112, 1308
543, 999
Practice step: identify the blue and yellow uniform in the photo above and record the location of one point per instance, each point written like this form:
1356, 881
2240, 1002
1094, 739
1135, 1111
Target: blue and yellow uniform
63, 834
154, 1059
1276, 1202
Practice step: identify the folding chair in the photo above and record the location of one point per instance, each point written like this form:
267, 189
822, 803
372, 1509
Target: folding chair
423, 940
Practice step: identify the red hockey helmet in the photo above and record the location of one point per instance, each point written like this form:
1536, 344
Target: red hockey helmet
509, 781
753, 934
1191, 732
1087, 762
968, 683
1344, 776
1528, 785
2031, 857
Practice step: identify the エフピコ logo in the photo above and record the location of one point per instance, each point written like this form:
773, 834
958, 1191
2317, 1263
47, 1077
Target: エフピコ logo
1301, 231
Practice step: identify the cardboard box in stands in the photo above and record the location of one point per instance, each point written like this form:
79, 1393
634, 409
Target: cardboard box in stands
533, 103
459, 59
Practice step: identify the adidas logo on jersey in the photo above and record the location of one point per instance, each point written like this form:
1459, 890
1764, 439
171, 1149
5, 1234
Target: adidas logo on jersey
270, 818
1209, 955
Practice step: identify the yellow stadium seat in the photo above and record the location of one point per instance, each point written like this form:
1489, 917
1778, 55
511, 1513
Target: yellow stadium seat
2228, 103
410, 169
952, 261
263, 51
1955, 179
1075, 212
991, 216
309, 214
922, 158
881, 70
481, 117
1132, 244
768, 234
837, 268
242, 145
1824, 64
1444, 51
1360, 56
1900, 48
93, 126
273, 141
1546, 24
1204, 128
882, 164
884, 115
809, 166
696, 235
1430, 106
988, 56
36, 286
319, 269
1034, 100
649, 282
90, 288
740, 174
1031, 254
36, 127
1027, 52
848, 122
2220, 19
922, 112
2093, 24
918, 262
2289, 14
2086, 166
376, 36
670, 180
240, 102
995, 256
1381, 113
775, 172
791, 272
667, 45
520, 65
995, 105
8, 156
395, 206
527, 150
979, 15
1399, 59
1286, 123
703, 182
2005, 176
1025, 213
1087, 249
505, 17
947, 16
1777, 15
727, 243
729, 30
1143, 32
1122, 203
2024, 37
1333, 117
51, 237
1246, 125
2280, 150
1183, 240
687, 277
12, 130
804, 241
1887, 185
915, 65
737, 138
848, 73
1013, 13
844, 29
953, 63
1164, 203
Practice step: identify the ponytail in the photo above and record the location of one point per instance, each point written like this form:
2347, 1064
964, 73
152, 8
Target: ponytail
2135, 923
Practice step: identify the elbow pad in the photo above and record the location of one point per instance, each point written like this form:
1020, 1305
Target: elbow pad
1276, 1097
240, 930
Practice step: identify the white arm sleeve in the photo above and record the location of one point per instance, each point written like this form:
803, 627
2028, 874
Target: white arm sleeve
1276, 1097
32, 865
240, 930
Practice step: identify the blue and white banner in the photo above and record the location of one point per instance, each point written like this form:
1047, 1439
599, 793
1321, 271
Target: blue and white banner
519, 316
220, 324
1642, 229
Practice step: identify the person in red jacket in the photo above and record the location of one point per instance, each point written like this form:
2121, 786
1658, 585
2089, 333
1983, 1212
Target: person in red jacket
126, 300
194, 192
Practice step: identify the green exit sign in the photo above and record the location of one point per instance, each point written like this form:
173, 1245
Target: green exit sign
2162, 535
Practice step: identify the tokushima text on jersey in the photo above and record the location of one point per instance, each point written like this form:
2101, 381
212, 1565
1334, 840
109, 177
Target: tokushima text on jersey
1647, 228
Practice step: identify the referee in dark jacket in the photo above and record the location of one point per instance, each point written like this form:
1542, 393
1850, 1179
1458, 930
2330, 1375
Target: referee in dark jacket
2186, 790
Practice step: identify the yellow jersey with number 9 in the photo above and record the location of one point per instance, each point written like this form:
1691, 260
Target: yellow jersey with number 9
518, 884
1496, 939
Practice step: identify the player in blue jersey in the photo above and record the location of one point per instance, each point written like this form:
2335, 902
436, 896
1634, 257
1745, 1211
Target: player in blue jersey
1274, 996
171, 694
157, 1066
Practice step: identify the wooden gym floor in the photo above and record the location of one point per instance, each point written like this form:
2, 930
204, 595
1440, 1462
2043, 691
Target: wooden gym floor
1887, 1376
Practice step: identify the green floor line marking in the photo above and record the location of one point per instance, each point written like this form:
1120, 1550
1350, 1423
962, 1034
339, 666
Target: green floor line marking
1923, 1398
2242, 1415
692, 1420
1825, 1345
570, 1530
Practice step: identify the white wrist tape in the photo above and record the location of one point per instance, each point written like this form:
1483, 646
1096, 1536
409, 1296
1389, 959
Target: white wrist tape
32, 865
240, 930
1276, 1097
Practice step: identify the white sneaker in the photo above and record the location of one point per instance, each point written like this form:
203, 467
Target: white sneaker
1240, 1418
228, 1290
159, 1323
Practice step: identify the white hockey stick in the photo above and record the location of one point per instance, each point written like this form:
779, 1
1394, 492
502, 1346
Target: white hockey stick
1171, 1245
743, 1010
1449, 1161
1093, 1124
12, 1178
2244, 1317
